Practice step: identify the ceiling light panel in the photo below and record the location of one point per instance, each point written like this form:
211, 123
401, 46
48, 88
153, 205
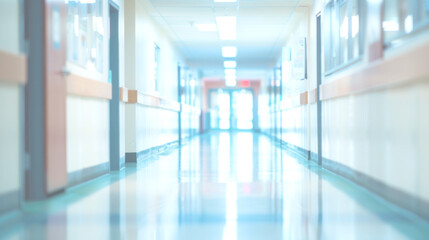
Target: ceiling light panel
223, 1
229, 52
206, 27
230, 78
227, 26
230, 83
230, 64
230, 72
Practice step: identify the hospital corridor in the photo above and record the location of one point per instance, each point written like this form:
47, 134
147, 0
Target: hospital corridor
214, 119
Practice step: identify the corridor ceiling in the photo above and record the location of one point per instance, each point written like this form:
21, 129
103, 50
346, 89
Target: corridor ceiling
263, 27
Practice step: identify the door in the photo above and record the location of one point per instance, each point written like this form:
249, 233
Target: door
45, 97
242, 109
319, 82
231, 109
222, 110
115, 159
55, 96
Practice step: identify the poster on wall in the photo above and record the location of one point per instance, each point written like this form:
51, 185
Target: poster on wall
299, 59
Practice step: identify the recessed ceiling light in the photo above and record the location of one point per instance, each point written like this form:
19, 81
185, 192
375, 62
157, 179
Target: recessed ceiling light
225, 0
230, 83
229, 52
230, 72
227, 26
230, 64
206, 27
230, 78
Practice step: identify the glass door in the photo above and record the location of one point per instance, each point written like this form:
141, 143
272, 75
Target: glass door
220, 109
242, 109
231, 109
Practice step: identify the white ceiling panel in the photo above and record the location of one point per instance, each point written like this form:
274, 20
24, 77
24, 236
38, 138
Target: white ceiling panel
263, 27
185, 11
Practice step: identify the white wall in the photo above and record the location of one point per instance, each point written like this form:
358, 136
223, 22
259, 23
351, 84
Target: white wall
148, 33
295, 121
148, 127
10, 94
88, 118
9, 137
381, 133
9, 25
87, 132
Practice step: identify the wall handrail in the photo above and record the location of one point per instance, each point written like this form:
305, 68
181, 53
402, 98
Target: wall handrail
293, 101
123, 94
312, 96
408, 67
87, 87
135, 96
13, 68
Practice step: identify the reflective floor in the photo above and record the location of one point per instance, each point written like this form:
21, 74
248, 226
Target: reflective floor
217, 186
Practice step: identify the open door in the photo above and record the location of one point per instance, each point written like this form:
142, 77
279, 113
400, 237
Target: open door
55, 96
319, 82
115, 159
46, 92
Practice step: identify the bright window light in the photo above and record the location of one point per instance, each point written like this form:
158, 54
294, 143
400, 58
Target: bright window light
225, 0
390, 26
230, 64
355, 25
87, 1
344, 29
230, 72
229, 52
408, 24
206, 27
227, 26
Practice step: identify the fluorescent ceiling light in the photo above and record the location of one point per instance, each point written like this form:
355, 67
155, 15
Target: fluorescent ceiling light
225, 0
230, 83
87, 1
206, 27
230, 64
229, 52
230, 78
227, 26
230, 72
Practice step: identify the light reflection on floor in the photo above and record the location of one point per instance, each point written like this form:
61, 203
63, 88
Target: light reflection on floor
217, 186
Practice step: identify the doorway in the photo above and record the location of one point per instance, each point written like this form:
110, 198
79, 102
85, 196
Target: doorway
115, 160
45, 96
231, 109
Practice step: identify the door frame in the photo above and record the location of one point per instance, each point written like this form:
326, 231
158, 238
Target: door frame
230, 92
319, 83
22, 104
114, 106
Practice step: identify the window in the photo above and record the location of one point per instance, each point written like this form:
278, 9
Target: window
156, 67
85, 34
343, 40
182, 83
402, 17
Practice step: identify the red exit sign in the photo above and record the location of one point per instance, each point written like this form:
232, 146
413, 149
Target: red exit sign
245, 83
